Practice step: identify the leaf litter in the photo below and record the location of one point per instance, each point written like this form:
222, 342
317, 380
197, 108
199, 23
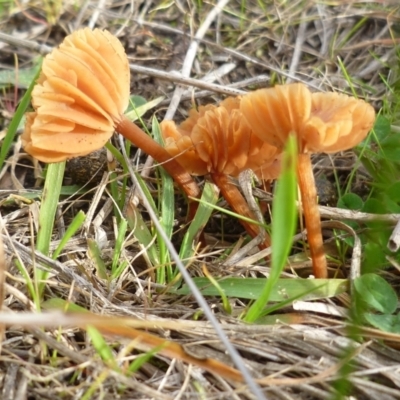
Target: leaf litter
294, 355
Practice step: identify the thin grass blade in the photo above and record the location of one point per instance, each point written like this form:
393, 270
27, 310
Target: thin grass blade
284, 214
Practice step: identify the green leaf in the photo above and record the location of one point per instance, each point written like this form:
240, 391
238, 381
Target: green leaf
373, 206
381, 128
251, 288
350, 201
394, 192
389, 205
284, 212
284, 217
376, 293
374, 254
22, 78
390, 147
136, 101
385, 322
136, 111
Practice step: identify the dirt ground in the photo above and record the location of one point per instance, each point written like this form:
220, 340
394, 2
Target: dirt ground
192, 52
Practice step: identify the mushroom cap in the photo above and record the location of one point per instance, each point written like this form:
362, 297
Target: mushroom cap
267, 162
337, 122
275, 112
80, 95
188, 124
323, 122
180, 145
217, 140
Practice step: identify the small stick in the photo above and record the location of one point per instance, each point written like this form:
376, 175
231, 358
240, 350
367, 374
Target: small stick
191, 55
394, 240
301, 33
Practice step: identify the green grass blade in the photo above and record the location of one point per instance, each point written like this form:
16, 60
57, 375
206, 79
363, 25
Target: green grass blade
120, 268
117, 155
122, 227
56, 303
167, 213
221, 293
142, 233
139, 226
232, 214
208, 200
73, 227
48, 206
95, 254
28, 280
289, 301
136, 364
119, 192
251, 288
12, 129
284, 214
47, 213
147, 193
102, 348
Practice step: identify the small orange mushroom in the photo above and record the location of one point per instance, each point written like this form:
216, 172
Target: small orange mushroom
79, 100
323, 123
218, 141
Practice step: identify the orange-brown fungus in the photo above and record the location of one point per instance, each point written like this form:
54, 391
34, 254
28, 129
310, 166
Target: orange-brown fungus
79, 98
322, 122
337, 122
219, 140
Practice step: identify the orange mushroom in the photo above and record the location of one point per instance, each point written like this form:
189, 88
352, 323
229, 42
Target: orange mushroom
323, 123
79, 100
218, 141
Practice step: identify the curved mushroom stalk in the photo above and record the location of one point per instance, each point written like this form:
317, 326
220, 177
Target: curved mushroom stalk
79, 100
322, 122
312, 217
218, 141
140, 139
232, 195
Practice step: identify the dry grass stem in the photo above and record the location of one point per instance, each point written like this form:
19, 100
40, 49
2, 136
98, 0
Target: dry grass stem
192, 54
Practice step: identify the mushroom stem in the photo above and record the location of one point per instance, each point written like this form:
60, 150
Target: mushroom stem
311, 215
238, 204
139, 138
